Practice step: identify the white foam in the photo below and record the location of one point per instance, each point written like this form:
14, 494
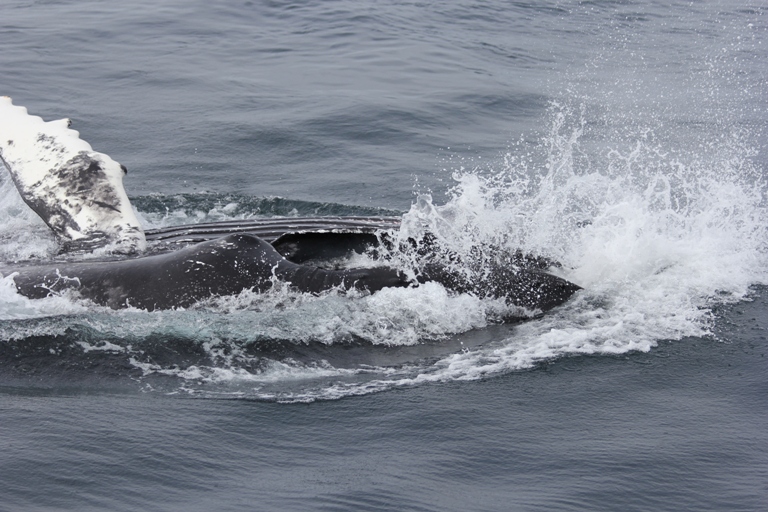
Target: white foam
17, 307
23, 235
656, 236
392, 317
102, 346
645, 188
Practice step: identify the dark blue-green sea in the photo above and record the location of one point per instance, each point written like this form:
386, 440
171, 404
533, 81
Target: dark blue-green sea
626, 139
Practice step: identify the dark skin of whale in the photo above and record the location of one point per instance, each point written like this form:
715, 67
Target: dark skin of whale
220, 267
237, 262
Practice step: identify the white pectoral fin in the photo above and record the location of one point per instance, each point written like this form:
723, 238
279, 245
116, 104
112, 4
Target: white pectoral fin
78, 192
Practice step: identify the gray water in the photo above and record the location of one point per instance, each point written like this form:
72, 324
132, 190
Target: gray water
625, 139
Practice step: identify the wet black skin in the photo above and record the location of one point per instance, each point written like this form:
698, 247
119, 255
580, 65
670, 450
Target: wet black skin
231, 264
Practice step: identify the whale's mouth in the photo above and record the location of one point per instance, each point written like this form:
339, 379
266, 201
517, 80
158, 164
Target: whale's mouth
271, 229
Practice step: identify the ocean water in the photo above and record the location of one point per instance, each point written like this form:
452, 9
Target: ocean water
625, 139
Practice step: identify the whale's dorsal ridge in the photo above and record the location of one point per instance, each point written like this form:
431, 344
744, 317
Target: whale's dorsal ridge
77, 191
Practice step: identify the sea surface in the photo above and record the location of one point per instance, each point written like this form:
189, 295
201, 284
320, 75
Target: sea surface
626, 139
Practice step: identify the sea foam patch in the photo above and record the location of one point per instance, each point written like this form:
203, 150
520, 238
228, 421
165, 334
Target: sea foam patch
656, 236
645, 185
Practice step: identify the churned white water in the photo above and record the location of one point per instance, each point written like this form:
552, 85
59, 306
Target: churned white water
642, 182
655, 234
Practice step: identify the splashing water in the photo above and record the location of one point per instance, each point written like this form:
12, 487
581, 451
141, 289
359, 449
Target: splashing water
657, 237
649, 192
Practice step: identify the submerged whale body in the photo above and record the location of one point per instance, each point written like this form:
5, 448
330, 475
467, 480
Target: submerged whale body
234, 263
219, 267
79, 194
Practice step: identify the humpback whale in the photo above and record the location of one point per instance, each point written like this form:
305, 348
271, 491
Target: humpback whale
79, 194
